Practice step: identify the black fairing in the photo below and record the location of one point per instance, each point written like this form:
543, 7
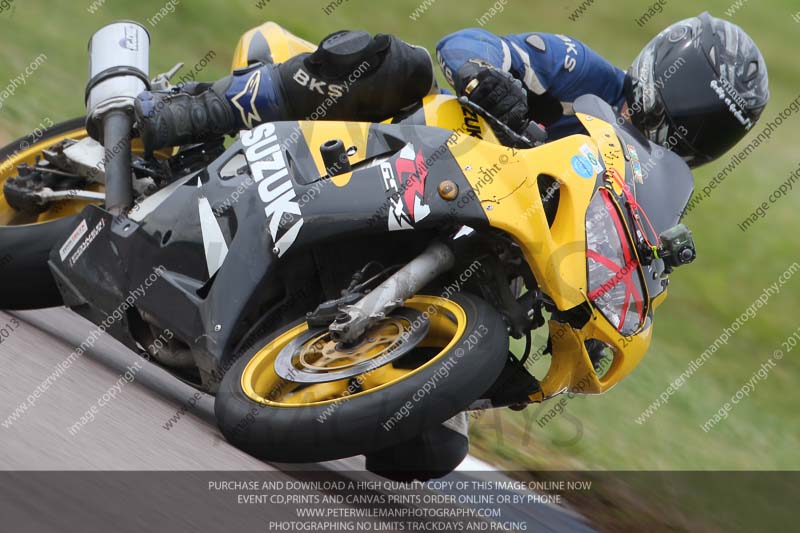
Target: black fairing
212, 312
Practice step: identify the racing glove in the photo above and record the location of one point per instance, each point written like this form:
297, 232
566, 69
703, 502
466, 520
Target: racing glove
171, 118
201, 112
497, 91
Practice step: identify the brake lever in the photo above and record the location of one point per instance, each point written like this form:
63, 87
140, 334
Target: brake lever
162, 81
534, 130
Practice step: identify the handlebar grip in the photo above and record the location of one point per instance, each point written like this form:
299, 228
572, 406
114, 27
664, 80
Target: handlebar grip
535, 132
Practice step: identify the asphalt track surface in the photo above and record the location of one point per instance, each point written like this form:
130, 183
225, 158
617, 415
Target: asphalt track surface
128, 434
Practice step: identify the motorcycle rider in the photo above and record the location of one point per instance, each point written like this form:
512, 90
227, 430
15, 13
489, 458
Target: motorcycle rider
697, 88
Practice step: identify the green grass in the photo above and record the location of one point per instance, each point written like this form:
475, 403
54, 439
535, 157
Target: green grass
762, 433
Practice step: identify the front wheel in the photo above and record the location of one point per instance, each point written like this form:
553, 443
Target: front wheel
301, 415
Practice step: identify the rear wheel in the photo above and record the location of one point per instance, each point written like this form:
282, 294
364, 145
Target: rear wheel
26, 240
279, 414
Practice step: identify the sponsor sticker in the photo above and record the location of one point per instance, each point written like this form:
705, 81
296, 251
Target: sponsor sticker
636, 164
732, 100
87, 242
589, 154
405, 187
275, 186
73, 239
583, 167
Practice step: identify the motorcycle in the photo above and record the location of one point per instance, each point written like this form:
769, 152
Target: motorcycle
341, 287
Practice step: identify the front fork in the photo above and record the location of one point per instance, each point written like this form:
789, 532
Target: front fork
353, 320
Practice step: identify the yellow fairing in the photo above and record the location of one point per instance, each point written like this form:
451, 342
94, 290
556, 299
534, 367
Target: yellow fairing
446, 112
505, 181
512, 203
441, 111
608, 143
571, 369
281, 45
351, 133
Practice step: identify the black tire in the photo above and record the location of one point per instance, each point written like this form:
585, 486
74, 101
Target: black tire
294, 434
432, 454
25, 278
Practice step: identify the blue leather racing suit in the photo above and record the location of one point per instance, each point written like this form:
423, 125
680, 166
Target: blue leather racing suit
554, 69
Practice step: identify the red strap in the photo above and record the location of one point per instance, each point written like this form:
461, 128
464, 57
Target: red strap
636, 208
620, 274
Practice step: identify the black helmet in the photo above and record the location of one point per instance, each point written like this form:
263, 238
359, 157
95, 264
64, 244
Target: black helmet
698, 88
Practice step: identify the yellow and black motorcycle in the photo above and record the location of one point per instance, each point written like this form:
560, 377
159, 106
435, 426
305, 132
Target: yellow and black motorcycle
342, 287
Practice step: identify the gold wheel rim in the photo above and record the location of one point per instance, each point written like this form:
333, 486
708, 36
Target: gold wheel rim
261, 383
8, 168
62, 209
322, 352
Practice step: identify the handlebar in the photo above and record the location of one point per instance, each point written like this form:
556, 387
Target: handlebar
534, 135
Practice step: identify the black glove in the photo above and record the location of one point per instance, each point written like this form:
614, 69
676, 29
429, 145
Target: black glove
180, 116
497, 91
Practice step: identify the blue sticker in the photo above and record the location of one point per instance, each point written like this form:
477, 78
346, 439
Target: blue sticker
582, 166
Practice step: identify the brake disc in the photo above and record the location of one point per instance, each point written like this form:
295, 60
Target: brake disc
315, 357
